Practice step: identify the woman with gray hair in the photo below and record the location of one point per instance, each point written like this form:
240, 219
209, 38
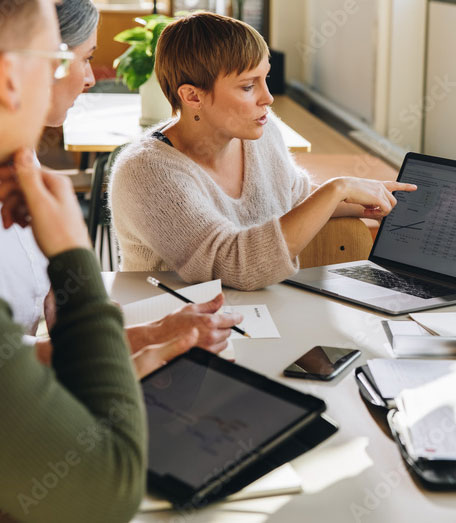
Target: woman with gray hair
23, 279
78, 28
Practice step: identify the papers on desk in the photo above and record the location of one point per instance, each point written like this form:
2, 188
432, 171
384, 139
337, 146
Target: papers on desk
257, 322
410, 340
424, 393
393, 376
154, 308
281, 481
427, 418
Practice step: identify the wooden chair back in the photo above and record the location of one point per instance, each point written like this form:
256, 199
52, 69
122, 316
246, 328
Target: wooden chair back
341, 240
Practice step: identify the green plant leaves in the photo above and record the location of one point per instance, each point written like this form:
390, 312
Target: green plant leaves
151, 20
136, 65
133, 35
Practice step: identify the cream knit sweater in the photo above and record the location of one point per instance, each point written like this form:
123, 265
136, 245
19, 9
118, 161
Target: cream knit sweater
169, 214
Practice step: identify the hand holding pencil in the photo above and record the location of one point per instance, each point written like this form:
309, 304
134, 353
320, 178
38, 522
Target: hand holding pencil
228, 320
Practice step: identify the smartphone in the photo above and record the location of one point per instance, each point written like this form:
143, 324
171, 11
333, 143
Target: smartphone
321, 363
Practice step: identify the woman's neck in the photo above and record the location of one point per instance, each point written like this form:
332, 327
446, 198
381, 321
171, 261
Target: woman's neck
199, 141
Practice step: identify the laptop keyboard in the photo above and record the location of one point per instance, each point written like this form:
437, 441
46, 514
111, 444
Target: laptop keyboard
395, 282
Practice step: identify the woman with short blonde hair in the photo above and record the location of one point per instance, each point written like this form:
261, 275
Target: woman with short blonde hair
214, 192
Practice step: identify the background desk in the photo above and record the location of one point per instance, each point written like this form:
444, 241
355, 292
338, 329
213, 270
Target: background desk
100, 122
357, 476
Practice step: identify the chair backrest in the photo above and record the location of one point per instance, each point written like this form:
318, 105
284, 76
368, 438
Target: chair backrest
98, 212
96, 195
341, 240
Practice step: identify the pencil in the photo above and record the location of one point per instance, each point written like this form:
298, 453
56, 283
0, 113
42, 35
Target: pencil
157, 283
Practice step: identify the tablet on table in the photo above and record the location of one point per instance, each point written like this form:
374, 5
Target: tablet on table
213, 424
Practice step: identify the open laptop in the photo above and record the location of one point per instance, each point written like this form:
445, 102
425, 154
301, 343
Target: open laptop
412, 264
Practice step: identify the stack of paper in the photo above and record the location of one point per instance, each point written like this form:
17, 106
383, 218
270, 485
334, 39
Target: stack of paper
410, 339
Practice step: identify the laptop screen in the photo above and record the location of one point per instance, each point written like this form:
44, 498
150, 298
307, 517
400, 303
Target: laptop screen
421, 229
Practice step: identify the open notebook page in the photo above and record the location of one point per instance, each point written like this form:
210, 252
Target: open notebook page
429, 420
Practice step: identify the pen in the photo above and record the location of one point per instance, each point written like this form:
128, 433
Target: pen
157, 283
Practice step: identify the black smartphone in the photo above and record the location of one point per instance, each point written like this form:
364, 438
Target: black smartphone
321, 363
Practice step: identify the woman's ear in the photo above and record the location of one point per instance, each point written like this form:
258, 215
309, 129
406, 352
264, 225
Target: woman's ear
190, 96
9, 83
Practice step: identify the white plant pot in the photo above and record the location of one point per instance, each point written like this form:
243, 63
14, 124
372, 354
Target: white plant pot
154, 104
121, 2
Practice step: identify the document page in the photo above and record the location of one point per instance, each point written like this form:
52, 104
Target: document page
393, 376
154, 308
406, 328
257, 322
428, 414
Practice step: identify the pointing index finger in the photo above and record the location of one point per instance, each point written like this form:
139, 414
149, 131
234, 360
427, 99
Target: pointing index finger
400, 186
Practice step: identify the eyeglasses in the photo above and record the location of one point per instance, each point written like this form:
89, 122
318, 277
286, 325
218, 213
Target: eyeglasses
63, 56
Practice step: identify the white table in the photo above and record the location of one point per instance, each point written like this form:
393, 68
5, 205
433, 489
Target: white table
100, 122
355, 476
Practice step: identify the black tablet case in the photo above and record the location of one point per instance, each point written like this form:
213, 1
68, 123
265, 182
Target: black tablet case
313, 433
307, 438
433, 474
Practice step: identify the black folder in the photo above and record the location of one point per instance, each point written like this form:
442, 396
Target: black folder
432, 474
215, 427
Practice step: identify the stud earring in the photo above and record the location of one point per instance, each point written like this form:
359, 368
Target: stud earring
197, 118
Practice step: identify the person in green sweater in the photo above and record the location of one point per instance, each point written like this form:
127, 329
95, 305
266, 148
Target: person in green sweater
73, 436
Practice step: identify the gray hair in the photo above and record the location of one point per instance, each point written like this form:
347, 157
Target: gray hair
78, 19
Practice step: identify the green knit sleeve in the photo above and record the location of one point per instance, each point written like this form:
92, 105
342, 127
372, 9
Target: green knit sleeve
73, 436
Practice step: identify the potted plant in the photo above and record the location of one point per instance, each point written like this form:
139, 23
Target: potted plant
136, 66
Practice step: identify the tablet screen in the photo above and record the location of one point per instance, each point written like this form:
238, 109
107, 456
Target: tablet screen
202, 421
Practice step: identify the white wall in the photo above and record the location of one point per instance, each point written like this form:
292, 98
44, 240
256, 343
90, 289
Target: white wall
440, 104
286, 32
365, 57
340, 47
407, 70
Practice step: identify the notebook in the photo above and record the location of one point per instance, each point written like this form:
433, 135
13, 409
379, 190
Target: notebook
419, 399
409, 339
412, 264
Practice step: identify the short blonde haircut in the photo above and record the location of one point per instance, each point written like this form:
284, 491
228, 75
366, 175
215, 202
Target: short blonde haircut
198, 48
19, 21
